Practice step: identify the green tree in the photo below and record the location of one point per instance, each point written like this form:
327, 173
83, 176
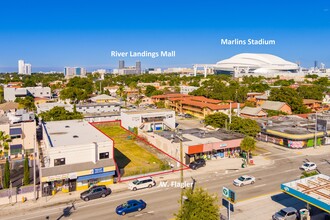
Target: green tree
248, 144
245, 126
150, 90
283, 82
1, 95
289, 96
199, 205
216, 120
59, 113
271, 113
311, 92
26, 178
74, 94
6, 176
81, 83
27, 102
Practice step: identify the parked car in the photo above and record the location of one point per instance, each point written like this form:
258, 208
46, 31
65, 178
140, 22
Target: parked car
188, 116
131, 206
95, 192
181, 115
146, 182
197, 164
308, 166
244, 180
288, 213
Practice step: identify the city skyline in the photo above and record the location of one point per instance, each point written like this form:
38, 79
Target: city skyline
86, 36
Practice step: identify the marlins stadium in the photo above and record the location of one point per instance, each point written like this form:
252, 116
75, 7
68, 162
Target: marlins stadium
255, 64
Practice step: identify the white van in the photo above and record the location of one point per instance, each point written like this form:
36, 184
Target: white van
146, 182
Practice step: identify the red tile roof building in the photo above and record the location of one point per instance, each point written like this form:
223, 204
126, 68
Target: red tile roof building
198, 106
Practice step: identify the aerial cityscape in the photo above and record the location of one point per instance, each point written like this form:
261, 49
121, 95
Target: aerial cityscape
170, 111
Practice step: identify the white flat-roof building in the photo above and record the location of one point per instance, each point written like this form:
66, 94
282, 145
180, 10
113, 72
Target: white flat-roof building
76, 155
187, 89
148, 120
10, 94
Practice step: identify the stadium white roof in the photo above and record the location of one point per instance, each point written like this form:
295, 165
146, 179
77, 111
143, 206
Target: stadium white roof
263, 62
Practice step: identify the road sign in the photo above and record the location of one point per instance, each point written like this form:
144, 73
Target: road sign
225, 192
228, 194
225, 203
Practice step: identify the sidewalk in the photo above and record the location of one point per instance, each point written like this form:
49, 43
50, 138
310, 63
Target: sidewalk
221, 166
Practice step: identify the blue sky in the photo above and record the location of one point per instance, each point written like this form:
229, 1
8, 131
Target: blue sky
53, 34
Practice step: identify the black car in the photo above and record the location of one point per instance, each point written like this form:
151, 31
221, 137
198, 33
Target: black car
95, 192
188, 116
197, 164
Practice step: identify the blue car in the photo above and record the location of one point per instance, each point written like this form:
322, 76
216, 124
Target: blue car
131, 206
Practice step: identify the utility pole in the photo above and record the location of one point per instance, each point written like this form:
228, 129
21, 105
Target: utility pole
315, 139
34, 168
179, 135
230, 113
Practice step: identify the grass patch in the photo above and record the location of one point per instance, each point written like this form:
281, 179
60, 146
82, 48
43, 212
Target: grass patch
308, 174
129, 154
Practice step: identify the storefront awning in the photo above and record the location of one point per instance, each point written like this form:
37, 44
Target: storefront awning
15, 131
95, 176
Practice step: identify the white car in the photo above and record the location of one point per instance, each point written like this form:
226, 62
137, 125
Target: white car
146, 182
244, 180
308, 166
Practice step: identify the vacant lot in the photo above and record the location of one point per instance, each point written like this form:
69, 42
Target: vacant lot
131, 154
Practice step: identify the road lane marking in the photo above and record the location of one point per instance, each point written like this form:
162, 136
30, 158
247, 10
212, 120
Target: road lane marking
150, 212
259, 186
138, 215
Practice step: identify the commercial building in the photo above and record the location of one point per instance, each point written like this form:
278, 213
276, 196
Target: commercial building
313, 190
21, 128
148, 120
10, 93
122, 70
292, 131
70, 72
154, 70
246, 64
196, 143
75, 155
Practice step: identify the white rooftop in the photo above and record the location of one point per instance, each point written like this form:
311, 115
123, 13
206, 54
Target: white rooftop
148, 111
73, 132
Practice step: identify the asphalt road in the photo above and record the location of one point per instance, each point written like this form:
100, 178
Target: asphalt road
162, 202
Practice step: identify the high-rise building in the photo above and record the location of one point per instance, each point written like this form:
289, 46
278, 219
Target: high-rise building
24, 68
27, 69
121, 64
138, 67
21, 69
70, 72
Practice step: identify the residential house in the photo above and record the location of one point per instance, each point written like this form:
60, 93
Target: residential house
276, 106
253, 112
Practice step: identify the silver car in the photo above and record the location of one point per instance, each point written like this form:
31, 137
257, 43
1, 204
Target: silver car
288, 213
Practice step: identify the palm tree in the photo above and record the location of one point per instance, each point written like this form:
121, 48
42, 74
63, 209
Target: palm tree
4, 142
248, 144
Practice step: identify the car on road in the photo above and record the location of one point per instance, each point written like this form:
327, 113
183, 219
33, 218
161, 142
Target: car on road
188, 116
288, 213
244, 180
197, 164
146, 182
308, 166
95, 192
131, 206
